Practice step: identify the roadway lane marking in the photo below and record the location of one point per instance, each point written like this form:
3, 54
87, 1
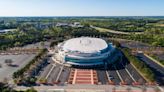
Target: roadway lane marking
59, 73
53, 66
130, 75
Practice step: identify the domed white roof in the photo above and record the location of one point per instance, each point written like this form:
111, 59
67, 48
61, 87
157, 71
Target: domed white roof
85, 45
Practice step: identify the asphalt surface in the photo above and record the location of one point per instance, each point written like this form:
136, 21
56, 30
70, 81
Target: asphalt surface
125, 76
18, 60
151, 63
88, 88
102, 77
45, 71
133, 44
157, 69
37, 45
135, 74
132, 71
123, 73
64, 75
52, 77
115, 78
101, 73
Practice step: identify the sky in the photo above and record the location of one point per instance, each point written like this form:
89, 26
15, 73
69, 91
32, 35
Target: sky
81, 7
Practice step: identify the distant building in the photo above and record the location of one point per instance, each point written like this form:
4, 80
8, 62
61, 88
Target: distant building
6, 30
62, 24
75, 24
43, 25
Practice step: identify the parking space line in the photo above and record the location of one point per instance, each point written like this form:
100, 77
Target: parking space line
40, 74
119, 75
59, 73
53, 66
108, 76
129, 73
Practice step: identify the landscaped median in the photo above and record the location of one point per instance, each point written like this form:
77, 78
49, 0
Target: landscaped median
141, 67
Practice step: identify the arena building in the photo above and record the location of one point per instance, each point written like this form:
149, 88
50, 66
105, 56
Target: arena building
84, 51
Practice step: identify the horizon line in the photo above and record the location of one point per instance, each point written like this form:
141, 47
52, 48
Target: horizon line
93, 16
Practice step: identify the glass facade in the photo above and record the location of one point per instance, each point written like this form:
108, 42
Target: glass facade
89, 58
89, 61
83, 60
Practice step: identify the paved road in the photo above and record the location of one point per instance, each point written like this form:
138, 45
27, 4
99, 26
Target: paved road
87, 88
113, 31
151, 63
157, 69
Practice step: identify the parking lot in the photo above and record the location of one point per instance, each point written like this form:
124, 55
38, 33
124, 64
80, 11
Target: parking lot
121, 73
37, 45
124, 73
19, 61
